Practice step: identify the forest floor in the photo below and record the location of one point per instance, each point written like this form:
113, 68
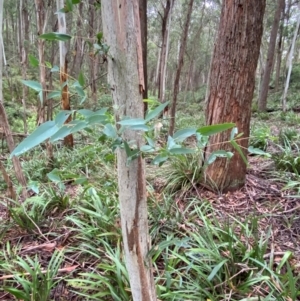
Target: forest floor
263, 197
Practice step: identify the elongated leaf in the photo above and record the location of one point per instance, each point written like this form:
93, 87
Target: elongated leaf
110, 131
61, 117
54, 94
97, 119
181, 151
239, 150
139, 127
215, 128
154, 113
77, 125
34, 62
52, 36
81, 79
33, 85
61, 133
147, 149
181, 135
150, 142
257, 151
53, 176
160, 159
42, 133
171, 143
216, 270
80, 91
133, 121
85, 112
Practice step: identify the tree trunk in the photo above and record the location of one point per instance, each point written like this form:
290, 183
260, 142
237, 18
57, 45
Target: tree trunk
4, 121
65, 99
290, 63
121, 27
179, 66
166, 23
262, 101
232, 82
144, 35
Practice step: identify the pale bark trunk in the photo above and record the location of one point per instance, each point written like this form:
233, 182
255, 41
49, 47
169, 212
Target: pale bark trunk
166, 25
121, 27
262, 101
4, 122
179, 67
63, 64
232, 83
290, 63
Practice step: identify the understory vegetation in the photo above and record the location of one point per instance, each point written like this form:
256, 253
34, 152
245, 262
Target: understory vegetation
64, 242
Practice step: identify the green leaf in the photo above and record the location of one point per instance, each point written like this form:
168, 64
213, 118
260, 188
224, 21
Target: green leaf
140, 127
156, 111
239, 150
85, 112
17, 293
33, 85
160, 159
215, 128
234, 131
110, 131
81, 181
77, 125
76, 1
61, 117
132, 121
34, 62
54, 94
216, 270
42, 133
219, 154
181, 151
48, 64
80, 91
181, 135
97, 119
55, 36
171, 143
81, 79
147, 149
53, 176
257, 151
150, 142
61, 133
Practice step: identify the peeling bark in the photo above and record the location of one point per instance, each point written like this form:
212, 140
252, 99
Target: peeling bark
121, 27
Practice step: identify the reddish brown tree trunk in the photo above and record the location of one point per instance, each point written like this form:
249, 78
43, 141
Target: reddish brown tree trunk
262, 101
232, 82
179, 67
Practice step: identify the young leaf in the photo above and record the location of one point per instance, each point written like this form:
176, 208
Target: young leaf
53, 176
61, 117
181, 135
81, 79
54, 94
156, 111
33, 85
216, 269
42, 133
239, 150
132, 121
215, 128
110, 131
147, 149
257, 151
61, 133
52, 36
181, 151
34, 62
160, 159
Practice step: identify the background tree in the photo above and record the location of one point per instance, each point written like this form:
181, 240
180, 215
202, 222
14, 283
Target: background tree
232, 83
121, 27
262, 101
183, 42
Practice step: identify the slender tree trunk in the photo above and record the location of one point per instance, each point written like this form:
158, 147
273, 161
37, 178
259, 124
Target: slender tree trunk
232, 83
65, 100
166, 24
179, 66
262, 101
144, 35
4, 121
121, 27
290, 63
